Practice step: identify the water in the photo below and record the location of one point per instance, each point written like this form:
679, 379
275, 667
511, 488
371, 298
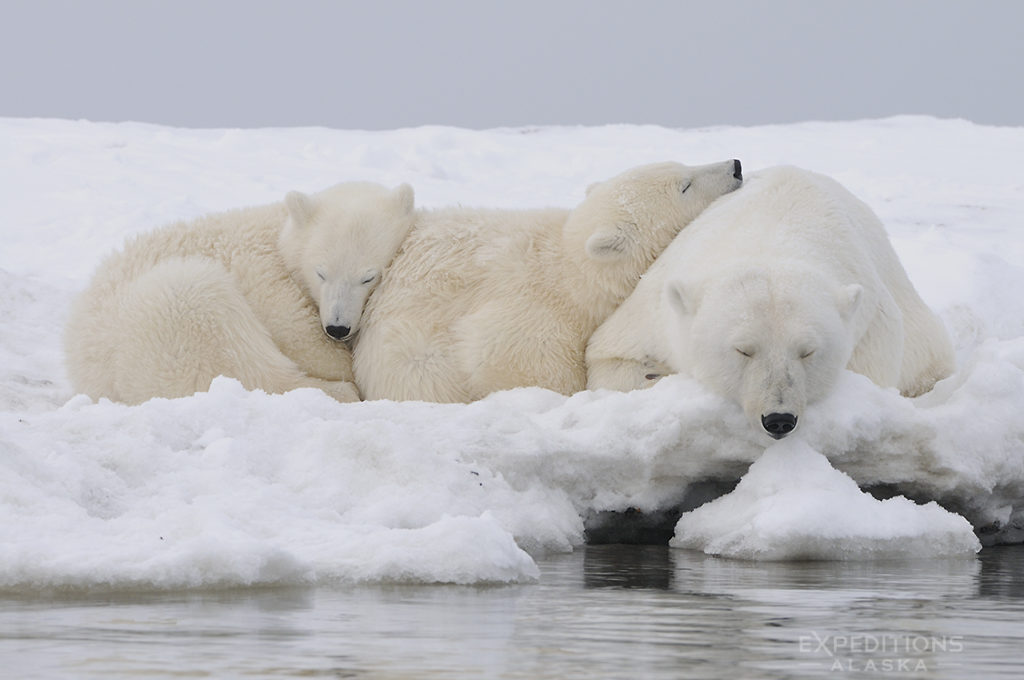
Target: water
602, 612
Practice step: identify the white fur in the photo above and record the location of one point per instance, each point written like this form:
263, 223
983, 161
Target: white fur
484, 300
238, 294
793, 271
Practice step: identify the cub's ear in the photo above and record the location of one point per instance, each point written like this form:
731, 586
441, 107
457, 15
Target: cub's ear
300, 207
404, 197
848, 299
681, 297
608, 245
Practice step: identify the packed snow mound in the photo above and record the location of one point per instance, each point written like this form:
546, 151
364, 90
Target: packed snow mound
172, 494
793, 505
231, 488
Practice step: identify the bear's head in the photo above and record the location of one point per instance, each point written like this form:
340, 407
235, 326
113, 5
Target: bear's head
773, 339
337, 243
632, 217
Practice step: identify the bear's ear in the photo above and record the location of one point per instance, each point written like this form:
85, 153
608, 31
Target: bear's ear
404, 196
300, 207
681, 297
608, 245
848, 298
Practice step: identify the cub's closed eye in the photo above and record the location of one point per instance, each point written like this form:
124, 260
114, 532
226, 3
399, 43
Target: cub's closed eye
368, 279
320, 275
806, 354
686, 187
746, 353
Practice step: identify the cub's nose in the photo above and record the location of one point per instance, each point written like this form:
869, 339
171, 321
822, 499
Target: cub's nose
778, 425
337, 332
737, 169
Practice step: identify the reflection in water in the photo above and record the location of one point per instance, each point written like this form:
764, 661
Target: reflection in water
639, 566
1002, 572
603, 612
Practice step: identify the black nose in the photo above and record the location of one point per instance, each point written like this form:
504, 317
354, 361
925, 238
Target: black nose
778, 425
737, 170
337, 332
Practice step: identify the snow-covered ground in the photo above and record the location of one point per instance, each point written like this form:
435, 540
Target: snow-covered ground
231, 488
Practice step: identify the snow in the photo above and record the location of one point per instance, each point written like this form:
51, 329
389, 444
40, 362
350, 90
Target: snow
792, 504
236, 489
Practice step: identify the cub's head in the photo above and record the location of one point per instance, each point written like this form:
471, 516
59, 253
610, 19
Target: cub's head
632, 217
773, 340
337, 243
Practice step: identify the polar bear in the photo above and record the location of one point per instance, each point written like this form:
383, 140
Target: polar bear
267, 295
485, 300
767, 296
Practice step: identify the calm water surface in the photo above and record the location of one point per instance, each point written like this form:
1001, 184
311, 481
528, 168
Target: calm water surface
602, 612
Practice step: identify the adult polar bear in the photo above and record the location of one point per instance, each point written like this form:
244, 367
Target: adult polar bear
484, 300
253, 294
767, 296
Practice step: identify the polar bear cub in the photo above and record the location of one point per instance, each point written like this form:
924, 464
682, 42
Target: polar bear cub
266, 295
767, 296
485, 300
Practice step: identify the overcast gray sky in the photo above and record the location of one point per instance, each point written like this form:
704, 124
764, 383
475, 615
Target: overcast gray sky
379, 64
